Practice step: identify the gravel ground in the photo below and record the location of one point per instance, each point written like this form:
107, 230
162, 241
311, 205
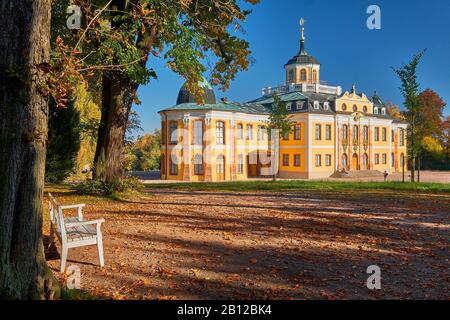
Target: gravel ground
266, 245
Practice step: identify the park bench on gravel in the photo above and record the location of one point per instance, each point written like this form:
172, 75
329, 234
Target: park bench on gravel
74, 232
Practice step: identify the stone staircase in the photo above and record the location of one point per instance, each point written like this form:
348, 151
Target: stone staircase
358, 174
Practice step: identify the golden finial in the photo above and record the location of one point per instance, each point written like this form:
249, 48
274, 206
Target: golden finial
302, 25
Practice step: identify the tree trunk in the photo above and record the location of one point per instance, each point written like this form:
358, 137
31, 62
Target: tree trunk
418, 168
118, 93
413, 169
24, 44
117, 99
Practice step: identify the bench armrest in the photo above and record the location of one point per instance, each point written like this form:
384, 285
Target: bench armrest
79, 208
83, 223
73, 206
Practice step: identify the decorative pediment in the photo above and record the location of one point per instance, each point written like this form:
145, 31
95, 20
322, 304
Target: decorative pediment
353, 96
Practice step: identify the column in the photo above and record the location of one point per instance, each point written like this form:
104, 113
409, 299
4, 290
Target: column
186, 148
207, 157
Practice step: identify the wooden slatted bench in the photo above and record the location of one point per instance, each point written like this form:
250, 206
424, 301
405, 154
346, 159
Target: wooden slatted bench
74, 232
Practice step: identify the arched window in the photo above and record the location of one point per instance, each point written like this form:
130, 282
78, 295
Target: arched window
365, 109
344, 161
220, 164
198, 165
355, 108
314, 76
291, 75
355, 133
344, 107
303, 75
173, 165
345, 133
365, 161
326, 105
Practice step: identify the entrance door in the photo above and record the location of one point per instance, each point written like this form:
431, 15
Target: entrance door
355, 166
220, 168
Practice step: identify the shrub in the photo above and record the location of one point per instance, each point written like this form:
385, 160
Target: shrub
95, 187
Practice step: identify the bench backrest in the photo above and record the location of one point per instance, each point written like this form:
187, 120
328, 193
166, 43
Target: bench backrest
56, 215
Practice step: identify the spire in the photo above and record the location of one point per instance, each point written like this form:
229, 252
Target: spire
302, 39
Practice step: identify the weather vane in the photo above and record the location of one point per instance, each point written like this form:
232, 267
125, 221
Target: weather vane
302, 22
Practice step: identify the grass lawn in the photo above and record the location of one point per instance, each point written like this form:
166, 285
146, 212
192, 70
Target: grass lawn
307, 185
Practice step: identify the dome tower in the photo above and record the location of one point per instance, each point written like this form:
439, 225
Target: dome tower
184, 96
302, 68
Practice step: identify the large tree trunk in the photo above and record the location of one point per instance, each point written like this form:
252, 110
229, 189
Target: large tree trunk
24, 44
117, 99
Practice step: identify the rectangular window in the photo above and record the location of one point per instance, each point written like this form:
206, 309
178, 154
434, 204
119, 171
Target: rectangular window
365, 134
402, 137
318, 160
328, 132
220, 132
286, 136
198, 133
318, 132
198, 165
285, 160
240, 164
392, 136
261, 133
377, 158
384, 158
173, 165
328, 160
173, 132
220, 165
392, 160
297, 160
297, 131
377, 134
249, 132
240, 131
383, 134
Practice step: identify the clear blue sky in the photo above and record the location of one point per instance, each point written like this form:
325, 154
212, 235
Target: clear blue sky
337, 35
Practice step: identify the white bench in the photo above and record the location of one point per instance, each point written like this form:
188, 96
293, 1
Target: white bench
74, 232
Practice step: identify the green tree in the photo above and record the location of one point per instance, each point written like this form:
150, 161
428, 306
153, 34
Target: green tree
410, 91
279, 123
147, 151
118, 40
431, 152
63, 142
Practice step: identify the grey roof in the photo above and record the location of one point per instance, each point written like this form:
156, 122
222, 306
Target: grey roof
376, 100
251, 108
308, 99
303, 59
184, 96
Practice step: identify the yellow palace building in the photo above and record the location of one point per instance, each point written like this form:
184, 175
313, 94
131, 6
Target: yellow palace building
334, 131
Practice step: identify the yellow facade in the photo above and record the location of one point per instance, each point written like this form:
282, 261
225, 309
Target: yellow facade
332, 132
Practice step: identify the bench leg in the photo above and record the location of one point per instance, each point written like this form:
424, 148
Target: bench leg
100, 251
64, 251
52, 236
